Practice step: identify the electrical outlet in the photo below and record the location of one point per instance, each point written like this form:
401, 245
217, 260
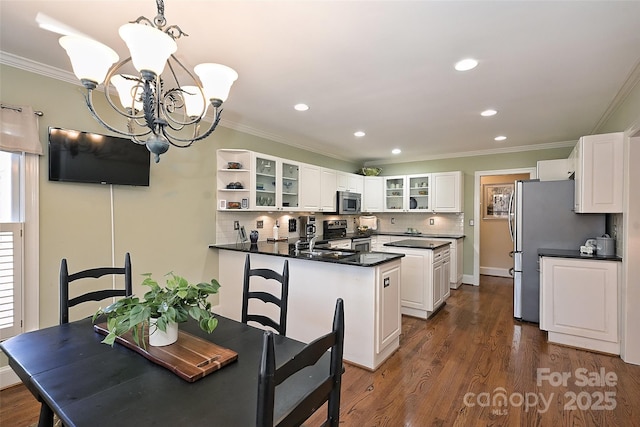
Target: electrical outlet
393, 220
236, 225
259, 224
432, 221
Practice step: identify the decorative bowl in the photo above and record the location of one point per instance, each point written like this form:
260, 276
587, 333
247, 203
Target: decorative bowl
234, 165
371, 171
233, 205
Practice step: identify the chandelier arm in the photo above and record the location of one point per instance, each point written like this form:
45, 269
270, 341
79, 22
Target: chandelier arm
169, 96
175, 140
88, 97
107, 81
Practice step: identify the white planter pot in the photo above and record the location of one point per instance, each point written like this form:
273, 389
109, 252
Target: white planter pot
158, 338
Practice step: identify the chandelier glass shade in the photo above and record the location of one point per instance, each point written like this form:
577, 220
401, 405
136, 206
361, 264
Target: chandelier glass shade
158, 111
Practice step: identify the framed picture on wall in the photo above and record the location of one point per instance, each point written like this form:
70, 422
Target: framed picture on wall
496, 200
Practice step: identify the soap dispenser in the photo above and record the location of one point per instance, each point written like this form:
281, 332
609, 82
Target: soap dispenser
275, 230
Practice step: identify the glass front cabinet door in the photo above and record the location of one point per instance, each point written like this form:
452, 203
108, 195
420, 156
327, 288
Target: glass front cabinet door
265, 170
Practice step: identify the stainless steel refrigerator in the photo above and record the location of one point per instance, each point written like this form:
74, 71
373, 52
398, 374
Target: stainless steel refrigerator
541, 216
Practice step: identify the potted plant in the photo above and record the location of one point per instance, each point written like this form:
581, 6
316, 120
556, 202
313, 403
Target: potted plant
162, 308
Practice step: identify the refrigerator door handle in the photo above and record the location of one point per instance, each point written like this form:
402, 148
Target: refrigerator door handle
511, 270
510, 214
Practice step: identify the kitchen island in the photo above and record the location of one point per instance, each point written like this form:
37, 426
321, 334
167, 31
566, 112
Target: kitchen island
425, 275
369, 284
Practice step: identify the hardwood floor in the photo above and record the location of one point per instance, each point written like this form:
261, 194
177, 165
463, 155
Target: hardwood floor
453, 370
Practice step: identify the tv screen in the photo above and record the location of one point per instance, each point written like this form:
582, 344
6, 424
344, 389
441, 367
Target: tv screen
76, 156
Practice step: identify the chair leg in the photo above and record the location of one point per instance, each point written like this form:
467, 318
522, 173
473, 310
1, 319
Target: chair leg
46, 416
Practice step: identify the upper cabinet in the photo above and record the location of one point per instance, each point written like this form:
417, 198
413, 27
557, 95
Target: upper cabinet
432, 192
372, 197
276, 183
447, 193
318, 187
598, 164
350, 182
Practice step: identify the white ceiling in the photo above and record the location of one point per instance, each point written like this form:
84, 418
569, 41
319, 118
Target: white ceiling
554, 70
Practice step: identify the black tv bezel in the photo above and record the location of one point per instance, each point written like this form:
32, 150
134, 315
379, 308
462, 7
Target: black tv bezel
110, 178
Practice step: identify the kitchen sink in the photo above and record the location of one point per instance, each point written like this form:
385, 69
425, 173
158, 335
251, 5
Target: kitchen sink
327, 253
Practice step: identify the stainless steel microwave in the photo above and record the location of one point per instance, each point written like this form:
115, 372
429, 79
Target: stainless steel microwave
348, 203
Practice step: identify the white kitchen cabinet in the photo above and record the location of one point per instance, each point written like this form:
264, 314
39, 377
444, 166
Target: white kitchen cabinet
228, 178
447, 192
456, 259
340, 244
553, 170
599, 173
328, 189
429, 192
350, 182
310, 187
276, 183
579, 302
372, 197
389, 318
424, 284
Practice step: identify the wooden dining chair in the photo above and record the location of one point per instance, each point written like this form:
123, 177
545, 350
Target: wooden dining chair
248, 294
329, 386
66, 279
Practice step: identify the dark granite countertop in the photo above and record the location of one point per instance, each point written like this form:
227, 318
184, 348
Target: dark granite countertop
287, 249
418, 244
427, 235
574, 253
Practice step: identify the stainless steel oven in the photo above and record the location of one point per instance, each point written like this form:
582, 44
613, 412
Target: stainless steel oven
361, 244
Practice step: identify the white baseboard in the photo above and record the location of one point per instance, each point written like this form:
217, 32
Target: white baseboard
493, 271
8, 377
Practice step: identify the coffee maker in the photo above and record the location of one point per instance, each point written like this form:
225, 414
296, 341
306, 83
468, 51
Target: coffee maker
307, 226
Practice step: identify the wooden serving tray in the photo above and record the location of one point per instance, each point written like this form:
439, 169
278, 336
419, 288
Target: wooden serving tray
191, 358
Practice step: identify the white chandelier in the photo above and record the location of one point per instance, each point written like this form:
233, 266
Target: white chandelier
150, 108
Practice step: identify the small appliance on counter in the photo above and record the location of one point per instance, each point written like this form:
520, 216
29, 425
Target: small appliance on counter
367, 223
308, 226
334, 229
605, 245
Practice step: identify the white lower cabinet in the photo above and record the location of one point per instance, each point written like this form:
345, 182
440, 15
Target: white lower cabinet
425, 284
389, 319
456, 259
579, 303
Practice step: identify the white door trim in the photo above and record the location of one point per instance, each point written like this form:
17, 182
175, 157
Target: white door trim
477, 215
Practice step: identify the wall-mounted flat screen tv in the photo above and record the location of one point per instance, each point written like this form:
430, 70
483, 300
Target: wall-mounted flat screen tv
76, 156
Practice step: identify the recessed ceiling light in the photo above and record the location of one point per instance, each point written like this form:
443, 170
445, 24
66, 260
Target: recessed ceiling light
301, 107
488, 113
500, 138
359, 134
396, 151
466, 64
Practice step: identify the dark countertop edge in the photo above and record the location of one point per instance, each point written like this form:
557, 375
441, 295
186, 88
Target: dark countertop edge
575, 254
246, 248
430, 236
417, 244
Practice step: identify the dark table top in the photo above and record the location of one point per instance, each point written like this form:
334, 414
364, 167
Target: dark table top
92, 384
287, 249
574, 253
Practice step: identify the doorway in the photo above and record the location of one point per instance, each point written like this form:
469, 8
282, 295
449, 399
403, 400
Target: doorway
496, 232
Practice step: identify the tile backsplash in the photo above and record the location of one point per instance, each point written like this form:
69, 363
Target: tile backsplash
387, 222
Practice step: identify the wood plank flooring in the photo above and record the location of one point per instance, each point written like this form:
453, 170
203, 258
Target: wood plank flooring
472, 364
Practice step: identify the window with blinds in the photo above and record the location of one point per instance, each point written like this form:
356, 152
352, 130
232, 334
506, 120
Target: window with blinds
10, 279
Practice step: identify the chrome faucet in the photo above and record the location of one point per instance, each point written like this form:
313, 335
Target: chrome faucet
312, 243
298, 246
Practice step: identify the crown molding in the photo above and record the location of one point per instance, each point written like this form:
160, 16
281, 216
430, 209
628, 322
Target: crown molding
68, 77
631, 81
505, 150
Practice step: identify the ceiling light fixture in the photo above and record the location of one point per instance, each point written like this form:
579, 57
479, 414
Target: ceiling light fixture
396, 151
359, 134
301, 107
149, 103
466, 64
500, 138
488, 113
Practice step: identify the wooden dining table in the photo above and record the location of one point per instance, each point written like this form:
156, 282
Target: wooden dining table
87, 383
